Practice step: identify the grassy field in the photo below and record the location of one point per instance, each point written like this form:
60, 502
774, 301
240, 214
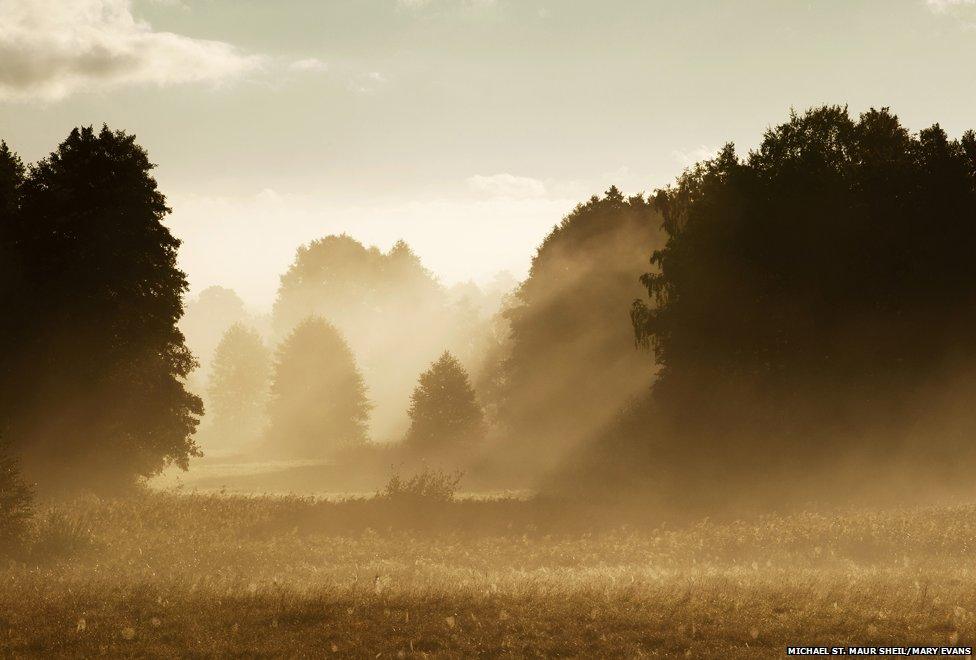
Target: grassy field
190, 575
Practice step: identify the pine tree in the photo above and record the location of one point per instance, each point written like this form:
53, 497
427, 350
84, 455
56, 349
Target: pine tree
318, 397
444, 412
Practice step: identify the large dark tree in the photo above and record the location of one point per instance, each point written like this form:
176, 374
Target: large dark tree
238, 388
318, 397
12, 327
572, 364
811, 295
444, 413
95, 362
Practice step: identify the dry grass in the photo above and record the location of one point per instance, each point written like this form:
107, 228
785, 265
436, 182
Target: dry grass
168, 575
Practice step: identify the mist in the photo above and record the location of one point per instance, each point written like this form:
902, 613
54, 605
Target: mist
555, 331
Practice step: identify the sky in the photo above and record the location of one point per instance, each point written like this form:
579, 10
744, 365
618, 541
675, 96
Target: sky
468, 128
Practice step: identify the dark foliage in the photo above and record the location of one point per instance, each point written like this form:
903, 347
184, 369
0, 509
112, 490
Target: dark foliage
811, 295
93, 366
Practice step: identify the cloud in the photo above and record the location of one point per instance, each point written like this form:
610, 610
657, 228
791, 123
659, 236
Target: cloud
692, 156
50, 49
507, 186
367, 83
311, 64
944, 5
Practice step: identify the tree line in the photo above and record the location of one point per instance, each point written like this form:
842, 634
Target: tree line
760, 322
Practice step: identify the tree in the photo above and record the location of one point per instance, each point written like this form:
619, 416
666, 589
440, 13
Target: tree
318, 397
375, 299
572, 364
11, 326
97, 388
811, 293
335, 277
207, 318
444, 412
238, 387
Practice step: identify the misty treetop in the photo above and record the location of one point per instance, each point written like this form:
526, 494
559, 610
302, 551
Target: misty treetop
208, 316
341, 279
318, 397
94, 364
572, 364
376, 299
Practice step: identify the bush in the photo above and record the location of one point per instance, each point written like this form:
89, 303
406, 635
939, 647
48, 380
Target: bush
427, 487
16, 498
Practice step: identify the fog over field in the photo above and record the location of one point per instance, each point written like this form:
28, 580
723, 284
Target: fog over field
453, 328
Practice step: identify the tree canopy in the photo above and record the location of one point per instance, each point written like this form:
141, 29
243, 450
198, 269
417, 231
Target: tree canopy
94, 363
810, 291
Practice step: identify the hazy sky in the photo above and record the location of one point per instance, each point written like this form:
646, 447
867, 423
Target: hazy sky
466, 127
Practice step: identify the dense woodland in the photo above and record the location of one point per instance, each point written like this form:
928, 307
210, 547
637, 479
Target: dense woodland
773, 326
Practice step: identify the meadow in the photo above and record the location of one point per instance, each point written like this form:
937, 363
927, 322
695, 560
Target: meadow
170, 574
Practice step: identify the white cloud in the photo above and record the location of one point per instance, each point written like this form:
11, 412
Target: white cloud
50, 49
692, 156
310, 64
506, 186
945, 5
367, 83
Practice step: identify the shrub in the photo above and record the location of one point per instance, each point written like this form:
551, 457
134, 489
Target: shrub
427, 487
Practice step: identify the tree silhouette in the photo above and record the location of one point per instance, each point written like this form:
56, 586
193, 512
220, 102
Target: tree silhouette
444, 412
318, 398
810, 291
12, 327
98, 386
238, 387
